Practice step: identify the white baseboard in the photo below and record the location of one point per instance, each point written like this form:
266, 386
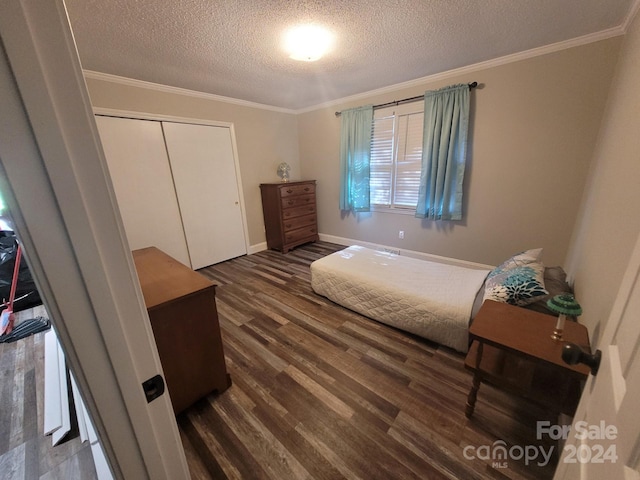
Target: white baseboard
347, 242
407, 253
257, 248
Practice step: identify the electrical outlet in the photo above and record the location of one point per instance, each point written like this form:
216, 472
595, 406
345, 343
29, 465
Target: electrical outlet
401, 234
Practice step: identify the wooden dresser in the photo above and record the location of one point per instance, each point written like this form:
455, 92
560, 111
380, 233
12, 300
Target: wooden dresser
182, 309
290, 215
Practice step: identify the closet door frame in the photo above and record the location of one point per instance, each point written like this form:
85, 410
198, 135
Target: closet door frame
110, 112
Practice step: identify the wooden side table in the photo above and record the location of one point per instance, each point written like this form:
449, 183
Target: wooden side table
182, 309
512, 349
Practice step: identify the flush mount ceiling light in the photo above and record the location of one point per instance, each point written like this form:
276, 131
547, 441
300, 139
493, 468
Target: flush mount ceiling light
307, 42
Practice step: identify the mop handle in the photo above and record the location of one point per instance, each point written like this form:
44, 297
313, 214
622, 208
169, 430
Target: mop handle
14, 281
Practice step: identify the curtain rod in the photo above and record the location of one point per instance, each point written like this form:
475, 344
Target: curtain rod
472, 85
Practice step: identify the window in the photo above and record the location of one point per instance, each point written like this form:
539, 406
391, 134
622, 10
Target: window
396, 157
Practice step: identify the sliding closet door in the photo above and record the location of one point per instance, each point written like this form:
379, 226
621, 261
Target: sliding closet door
139, 168
206, 183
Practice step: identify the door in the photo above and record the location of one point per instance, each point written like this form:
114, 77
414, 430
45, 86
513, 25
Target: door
141, 176
604, 441
54, 175
204, 173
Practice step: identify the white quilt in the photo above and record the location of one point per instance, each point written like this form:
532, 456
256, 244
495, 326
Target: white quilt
433, 300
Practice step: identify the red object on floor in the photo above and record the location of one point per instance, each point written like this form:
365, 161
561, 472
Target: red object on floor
7, 317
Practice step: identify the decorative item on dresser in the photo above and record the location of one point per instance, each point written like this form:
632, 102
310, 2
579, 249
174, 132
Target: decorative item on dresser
182, 309
290, 217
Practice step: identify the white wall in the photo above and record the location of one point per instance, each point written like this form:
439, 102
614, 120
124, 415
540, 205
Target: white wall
609, 222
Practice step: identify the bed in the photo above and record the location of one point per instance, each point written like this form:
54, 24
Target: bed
435, 300
431, 299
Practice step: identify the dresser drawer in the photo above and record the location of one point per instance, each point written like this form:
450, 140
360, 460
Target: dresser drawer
298, 211
300, 234
292, 190
299, 222
297, 201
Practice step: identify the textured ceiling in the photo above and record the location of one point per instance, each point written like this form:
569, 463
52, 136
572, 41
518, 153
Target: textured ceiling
233, 47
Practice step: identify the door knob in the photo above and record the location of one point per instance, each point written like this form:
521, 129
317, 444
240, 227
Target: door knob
572, 354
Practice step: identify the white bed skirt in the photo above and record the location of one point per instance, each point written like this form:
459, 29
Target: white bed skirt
430, 299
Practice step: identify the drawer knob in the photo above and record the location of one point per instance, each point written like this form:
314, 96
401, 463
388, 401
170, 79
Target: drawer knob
289, 191
290, 202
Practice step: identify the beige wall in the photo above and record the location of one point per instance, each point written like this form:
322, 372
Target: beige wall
533, 131
264, 137
609, 223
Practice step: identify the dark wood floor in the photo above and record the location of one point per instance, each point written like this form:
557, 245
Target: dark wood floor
320, 392
25, 452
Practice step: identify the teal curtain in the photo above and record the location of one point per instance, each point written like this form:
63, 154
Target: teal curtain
444, 150
355, 154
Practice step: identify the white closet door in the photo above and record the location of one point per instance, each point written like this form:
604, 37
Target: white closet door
206, 183
141, 176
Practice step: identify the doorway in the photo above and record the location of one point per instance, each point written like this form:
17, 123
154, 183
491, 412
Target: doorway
52, 173
25, 450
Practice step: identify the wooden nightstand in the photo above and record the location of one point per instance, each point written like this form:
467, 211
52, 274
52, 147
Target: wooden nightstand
512, 349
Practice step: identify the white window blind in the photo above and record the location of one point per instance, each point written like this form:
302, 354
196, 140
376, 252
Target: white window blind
381, 164
396, 156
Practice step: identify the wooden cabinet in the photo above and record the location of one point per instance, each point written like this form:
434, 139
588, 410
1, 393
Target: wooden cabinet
290, 217
182, 309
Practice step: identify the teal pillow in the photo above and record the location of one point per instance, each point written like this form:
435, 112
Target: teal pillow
520, 285
523, 258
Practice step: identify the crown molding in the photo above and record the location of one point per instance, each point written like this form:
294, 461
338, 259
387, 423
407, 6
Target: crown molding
132, 82
515, 57
469, 69
633, 11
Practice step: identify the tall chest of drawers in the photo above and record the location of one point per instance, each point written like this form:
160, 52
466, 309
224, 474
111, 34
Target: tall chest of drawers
290, 217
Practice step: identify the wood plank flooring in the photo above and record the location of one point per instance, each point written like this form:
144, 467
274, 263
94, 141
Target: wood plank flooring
25, 452
320, 392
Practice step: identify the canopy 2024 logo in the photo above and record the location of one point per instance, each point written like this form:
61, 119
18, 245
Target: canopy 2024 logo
599, 449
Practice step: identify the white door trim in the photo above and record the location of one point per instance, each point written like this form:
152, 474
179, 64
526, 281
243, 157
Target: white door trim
611, 397
115, 112
55, 181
